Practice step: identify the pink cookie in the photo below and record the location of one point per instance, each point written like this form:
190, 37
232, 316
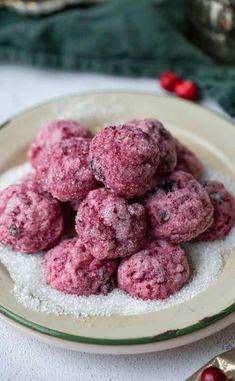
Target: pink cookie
224, 211
187, 161
179, 209
154, 273
125, 159
70, 268
29, 182
64, 170
109, 226
29, 221
53, 133
163, 140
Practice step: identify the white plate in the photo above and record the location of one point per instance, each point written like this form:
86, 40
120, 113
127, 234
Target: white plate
212, 138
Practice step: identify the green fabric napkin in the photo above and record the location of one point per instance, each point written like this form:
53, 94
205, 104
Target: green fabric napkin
127, 37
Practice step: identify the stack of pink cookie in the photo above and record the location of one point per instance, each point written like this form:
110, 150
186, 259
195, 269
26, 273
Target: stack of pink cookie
137, 197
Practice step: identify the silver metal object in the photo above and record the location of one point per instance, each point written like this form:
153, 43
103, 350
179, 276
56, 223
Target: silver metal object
38, 7
213, 27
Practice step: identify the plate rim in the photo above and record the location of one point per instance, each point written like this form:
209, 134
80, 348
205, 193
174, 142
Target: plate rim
123, 349
224, 117
168, 335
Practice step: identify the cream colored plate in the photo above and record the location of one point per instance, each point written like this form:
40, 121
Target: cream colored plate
212, 138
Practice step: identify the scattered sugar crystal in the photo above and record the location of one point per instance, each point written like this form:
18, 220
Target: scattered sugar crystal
89, 111
207, 261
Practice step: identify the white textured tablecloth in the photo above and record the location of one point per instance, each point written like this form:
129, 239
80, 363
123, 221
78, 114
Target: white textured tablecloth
23, 358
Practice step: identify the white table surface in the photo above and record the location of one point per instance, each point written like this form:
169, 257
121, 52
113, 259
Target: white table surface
24, 358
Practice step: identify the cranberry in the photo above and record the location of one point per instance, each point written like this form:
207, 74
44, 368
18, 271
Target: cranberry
187, 90
168, 80
213, 374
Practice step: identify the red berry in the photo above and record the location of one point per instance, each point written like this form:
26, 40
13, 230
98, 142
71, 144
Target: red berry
168, 80
213, 374
187, 90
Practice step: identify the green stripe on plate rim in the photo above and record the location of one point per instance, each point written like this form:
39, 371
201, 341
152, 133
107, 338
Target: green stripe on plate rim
168, 335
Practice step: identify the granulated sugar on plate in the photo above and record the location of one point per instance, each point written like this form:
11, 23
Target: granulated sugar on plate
207, 260
90, 111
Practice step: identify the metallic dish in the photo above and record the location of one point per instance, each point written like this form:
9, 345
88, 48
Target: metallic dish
224, 361
39, 7
213, 27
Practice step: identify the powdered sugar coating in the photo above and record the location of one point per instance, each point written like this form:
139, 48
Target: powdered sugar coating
187, 161
155, 273
29, 221
224, 211
179, 209
30, 182
163, 140
64, 170
109, 226
54, 133
125, 159
70, 268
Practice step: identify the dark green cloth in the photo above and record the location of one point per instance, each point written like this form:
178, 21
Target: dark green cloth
126, 37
